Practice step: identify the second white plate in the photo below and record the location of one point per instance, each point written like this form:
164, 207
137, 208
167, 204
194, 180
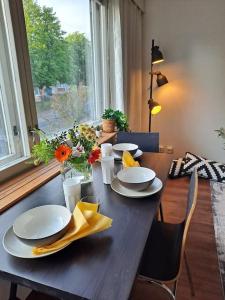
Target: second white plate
136, 155
152, 189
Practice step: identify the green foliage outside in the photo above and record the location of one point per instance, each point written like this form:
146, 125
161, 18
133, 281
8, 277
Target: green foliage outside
54, 57
79, 49
72, 105
57, 58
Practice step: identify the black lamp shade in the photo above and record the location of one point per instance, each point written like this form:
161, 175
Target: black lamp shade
154, 107
161, 79
157, 56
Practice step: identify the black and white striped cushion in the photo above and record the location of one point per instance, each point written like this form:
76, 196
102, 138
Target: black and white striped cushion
206, 168
176, 169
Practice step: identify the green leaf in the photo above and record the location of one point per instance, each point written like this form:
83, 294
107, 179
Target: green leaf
42, 152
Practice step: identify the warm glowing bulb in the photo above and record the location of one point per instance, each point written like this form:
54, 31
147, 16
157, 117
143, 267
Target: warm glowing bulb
156, 109
157, 61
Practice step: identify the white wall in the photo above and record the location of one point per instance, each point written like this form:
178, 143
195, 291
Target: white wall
191, 34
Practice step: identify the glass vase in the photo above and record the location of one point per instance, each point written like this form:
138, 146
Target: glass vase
83, 169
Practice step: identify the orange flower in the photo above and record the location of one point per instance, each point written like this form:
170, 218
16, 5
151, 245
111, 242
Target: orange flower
62, 153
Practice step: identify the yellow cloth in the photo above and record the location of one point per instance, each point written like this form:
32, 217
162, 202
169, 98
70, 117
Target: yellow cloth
85, 221
128, 160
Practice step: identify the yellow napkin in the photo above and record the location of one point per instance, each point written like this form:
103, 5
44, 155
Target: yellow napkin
85, 221
128, 160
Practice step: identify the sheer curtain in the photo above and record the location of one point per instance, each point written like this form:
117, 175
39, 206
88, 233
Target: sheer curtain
131, 24
115, 55
125, 57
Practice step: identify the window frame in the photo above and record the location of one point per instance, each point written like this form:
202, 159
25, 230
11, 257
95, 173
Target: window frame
11, 96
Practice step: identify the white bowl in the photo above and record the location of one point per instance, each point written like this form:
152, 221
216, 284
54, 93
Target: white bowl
136, 178
42, 225
120, 148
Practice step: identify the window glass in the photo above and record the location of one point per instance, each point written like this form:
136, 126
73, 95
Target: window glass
60, 48
13, 131
4, 141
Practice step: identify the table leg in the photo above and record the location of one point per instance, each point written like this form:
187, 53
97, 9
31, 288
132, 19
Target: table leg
13, 291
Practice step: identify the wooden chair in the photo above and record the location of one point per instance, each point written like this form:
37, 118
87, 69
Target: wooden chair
165, 247
147, 141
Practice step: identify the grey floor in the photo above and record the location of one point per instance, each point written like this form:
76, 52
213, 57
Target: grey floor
4, 291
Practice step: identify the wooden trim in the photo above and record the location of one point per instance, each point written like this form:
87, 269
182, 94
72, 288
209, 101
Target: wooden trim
20, 186
20, 37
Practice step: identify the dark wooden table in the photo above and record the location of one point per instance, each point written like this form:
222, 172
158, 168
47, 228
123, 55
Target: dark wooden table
102, 266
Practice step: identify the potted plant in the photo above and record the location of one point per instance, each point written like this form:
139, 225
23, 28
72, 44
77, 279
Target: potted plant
112, 118
121, 120
108, 120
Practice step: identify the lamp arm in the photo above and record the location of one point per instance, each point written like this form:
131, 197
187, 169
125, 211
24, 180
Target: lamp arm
151, 78
150, 92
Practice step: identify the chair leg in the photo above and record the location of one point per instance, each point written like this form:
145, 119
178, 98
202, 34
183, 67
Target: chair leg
189, 275
175, 289
13, 291
160, 284
161, 212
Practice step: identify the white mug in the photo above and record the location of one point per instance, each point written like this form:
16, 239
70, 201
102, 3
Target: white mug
106, 149
72, 191
107, 164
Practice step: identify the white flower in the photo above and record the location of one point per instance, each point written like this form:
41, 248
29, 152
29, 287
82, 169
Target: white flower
75, 152
78, 150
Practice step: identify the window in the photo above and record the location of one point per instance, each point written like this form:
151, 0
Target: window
13, 136
66, 49
53, 69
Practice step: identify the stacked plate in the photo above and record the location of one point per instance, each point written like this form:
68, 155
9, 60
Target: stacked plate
38, 226
118, 150
136, 182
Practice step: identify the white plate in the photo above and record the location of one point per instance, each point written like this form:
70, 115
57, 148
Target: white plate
125, 147
41, 222
136, 155
152, 189
14, 246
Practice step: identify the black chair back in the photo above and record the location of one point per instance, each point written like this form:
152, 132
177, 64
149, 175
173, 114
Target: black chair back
147, 141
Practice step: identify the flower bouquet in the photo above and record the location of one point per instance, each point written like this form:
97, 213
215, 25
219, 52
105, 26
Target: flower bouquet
76, 150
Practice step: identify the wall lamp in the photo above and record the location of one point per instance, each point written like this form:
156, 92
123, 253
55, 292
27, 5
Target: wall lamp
156, 57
